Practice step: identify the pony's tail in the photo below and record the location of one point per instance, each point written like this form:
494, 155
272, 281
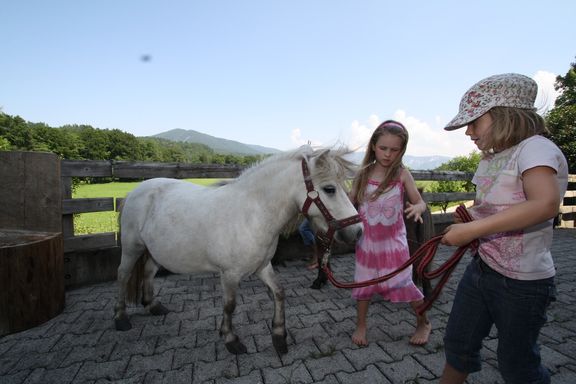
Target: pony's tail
119, 208
134, 289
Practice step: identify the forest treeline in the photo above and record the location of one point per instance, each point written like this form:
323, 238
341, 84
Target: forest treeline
84, 142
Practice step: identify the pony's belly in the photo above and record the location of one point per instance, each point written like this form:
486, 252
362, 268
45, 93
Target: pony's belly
189, 262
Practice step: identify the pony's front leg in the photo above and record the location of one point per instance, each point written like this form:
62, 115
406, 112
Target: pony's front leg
229, 286
268, 276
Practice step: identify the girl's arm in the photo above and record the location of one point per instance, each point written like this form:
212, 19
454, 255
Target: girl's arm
542, 202
415, 206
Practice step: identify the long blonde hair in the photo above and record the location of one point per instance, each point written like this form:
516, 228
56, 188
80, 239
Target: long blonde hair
389, 127
512, 125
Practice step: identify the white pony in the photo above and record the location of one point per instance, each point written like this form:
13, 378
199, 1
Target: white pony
232, 229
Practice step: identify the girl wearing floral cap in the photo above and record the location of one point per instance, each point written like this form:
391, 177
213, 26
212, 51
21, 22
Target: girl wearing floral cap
520, 183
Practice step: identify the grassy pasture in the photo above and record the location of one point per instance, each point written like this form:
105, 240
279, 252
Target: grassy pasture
96, 222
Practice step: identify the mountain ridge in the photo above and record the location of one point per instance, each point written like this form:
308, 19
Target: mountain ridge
219, 145
225, 146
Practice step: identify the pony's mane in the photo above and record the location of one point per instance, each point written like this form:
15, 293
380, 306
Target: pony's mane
332, 163
329, 163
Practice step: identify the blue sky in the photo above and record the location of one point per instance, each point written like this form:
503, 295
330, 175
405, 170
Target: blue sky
270, 72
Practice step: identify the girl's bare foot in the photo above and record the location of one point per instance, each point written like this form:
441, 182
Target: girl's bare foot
312, 266
420, 336
359, 337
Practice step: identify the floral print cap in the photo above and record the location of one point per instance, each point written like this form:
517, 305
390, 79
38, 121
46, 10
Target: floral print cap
506, 90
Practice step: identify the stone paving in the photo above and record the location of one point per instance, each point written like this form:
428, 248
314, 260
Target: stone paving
82, 346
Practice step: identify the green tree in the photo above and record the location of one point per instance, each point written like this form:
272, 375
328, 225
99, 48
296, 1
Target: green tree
461, 163
93, 143
16, 131
4, 144
58, 141
561, 120
89, 143
123, 146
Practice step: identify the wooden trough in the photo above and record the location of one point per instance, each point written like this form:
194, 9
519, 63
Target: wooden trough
31, 279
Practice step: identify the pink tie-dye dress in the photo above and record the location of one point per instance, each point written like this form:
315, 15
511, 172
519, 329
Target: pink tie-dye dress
383, 247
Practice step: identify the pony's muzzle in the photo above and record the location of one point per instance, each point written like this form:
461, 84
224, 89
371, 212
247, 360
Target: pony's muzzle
349, 234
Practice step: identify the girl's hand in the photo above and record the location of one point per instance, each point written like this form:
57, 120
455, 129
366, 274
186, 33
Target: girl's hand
415, 211
457, 218
458, 234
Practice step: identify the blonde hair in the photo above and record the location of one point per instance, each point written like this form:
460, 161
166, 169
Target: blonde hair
512, 125
389, 127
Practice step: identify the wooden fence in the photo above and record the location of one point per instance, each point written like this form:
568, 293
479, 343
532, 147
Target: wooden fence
95, 257
119, 170
36, 195
139, 171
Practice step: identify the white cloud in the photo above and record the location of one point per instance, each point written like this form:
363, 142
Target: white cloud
546, 93
296, 139
425, 139
360, 133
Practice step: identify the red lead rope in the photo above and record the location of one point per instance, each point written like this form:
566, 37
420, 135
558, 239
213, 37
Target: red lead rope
426, 254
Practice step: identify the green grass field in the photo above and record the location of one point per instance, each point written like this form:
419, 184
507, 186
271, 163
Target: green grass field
96, 222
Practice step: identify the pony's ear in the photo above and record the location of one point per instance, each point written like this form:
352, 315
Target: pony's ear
306, 151
321, 157
322, 154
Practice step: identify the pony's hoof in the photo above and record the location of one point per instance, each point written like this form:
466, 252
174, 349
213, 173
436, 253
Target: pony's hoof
122, 324
279, 343
318, 283
158, 309
236, 347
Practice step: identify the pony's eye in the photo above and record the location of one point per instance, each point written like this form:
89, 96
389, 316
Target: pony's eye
329, 189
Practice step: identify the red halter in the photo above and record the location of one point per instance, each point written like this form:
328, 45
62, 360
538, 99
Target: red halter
325, 238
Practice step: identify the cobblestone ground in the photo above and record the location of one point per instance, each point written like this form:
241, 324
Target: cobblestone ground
82, 346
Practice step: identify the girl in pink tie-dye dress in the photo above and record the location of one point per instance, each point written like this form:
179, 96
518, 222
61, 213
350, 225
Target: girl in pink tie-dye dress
384, 247
378, 191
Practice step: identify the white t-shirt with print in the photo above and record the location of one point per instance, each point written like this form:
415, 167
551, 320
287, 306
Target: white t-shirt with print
523, 254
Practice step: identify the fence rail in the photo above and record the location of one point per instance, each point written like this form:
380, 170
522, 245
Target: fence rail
139, 171
37, 196
94, 257
119, 170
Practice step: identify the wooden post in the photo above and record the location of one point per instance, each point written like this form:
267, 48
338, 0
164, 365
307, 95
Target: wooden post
30, 196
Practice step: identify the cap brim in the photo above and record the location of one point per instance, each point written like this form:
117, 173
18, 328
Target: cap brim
462, 119
456, 123
453, 127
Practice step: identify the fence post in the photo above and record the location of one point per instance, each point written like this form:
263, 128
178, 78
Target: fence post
30, 197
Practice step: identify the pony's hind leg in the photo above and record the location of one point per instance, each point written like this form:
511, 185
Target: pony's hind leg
154, 306
278, 321
128, 281
229, 286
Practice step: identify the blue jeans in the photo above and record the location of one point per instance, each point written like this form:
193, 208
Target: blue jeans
518, 310
306, 232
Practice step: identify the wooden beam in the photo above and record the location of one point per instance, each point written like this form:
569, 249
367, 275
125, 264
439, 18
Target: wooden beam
100, 204
94, 241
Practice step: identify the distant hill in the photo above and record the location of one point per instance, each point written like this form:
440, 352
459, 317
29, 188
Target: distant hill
219, 145
423, 163
225, 146
420, 163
